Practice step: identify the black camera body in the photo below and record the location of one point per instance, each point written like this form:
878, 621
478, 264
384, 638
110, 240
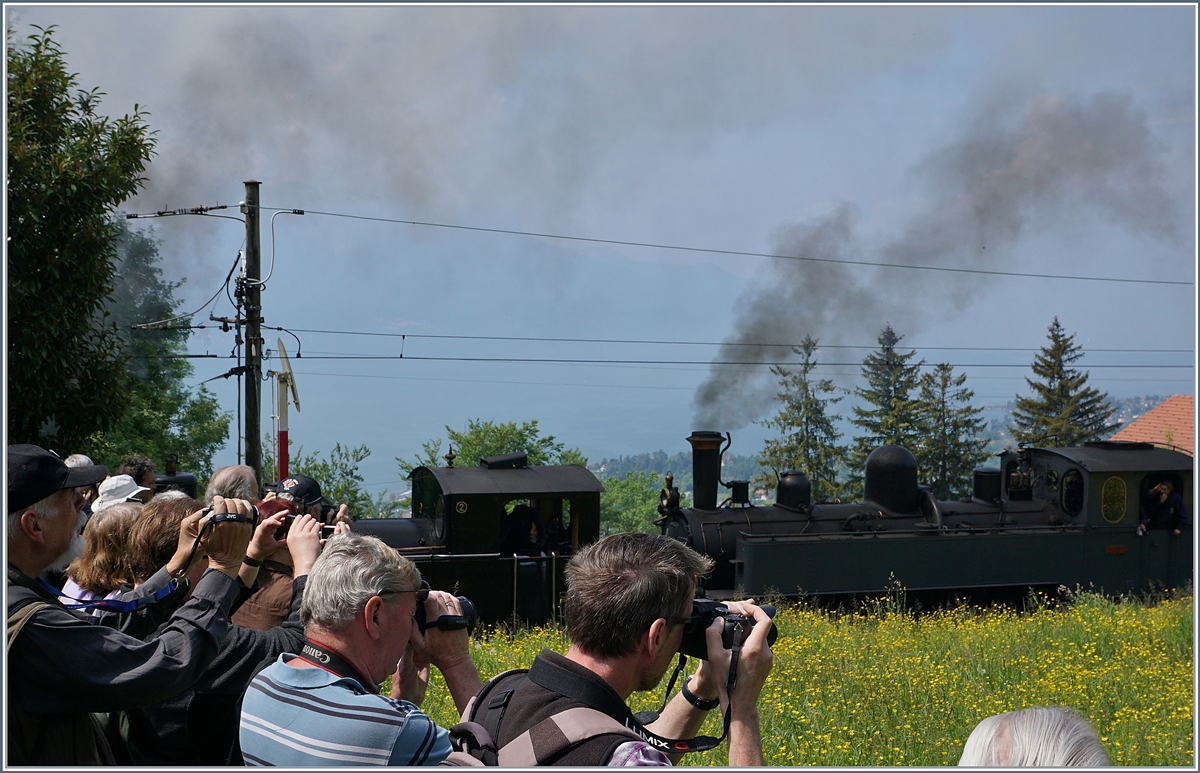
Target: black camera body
704, 611
447, 622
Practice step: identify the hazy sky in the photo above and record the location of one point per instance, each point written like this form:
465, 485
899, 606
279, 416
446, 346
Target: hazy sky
1035, 140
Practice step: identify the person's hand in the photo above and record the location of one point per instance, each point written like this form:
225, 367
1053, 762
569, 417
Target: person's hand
444, 649
342, 521
263, 543
304, 543
754, 662
1178, 532
189, 528
225, 543
411, 678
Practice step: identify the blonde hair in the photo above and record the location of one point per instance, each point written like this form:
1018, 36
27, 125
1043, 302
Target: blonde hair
104, 565
1035, 737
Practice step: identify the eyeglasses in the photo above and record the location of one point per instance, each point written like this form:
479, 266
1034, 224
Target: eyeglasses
422, 592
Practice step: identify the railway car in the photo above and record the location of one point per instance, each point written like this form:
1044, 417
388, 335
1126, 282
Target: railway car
1043, 517
499, 533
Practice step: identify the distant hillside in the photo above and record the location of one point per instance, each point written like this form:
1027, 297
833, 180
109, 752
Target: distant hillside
999, 417
746, 467
680, 465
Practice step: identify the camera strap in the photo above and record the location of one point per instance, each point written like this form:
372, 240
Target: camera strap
330, 660
595, 696
114, 605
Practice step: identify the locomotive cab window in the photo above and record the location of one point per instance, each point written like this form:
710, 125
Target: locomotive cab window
1072, 492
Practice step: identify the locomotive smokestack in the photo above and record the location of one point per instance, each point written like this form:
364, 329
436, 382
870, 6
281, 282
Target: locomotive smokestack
706, 468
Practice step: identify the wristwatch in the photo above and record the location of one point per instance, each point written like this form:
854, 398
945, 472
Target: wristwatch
700, 703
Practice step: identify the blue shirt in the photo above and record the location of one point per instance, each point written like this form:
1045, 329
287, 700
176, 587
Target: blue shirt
309, 717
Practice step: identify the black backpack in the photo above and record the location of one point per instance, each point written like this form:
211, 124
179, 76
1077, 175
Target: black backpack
472, 738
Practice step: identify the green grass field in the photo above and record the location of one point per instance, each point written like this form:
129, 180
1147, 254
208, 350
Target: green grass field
887, 688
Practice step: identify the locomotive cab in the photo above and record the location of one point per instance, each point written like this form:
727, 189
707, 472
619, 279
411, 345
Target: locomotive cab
499, 533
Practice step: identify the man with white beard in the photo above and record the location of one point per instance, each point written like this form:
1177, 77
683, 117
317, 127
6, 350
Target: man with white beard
63, 666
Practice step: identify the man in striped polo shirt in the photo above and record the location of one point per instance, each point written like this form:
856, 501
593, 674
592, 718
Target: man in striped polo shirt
323, 706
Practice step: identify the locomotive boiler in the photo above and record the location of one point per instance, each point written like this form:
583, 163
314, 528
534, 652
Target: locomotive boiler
1042, 517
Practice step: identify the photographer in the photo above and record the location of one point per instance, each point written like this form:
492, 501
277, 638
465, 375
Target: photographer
268, 606
199, 726
62, 665
323, 706
628, 596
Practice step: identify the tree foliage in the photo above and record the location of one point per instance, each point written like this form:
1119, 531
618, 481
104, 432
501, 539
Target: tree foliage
631, 503
1063, 410
808, 440
953, 444
68, 170
482, 439
337, 474
159, 414
892, 413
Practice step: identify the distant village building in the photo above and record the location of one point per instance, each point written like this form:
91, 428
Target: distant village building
1170, 423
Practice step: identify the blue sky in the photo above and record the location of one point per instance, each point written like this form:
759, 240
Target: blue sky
1043, 140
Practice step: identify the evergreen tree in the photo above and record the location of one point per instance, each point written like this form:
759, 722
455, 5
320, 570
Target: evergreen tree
808, 438
1063, 410
953, 445
892, 412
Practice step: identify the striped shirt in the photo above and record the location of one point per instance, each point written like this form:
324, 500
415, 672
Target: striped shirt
309, 717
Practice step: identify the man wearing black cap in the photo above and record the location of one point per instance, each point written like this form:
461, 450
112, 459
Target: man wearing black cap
271, 601
62, 666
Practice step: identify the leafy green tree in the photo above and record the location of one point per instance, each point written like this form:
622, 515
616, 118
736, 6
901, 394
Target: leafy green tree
630, 503
892, 412
954, 442
482, 439
337, 474
1063, 410
68, 170
160, 415
808, 438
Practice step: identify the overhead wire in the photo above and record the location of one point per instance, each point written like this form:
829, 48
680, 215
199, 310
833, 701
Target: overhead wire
740, 253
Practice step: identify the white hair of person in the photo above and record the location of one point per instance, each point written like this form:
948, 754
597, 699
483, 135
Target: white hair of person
350, 570
237, 481
1034, 737
78, 460
172, 494
43, 507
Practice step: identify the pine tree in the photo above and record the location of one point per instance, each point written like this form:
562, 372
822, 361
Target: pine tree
892, 412
1063, 410
808, 438
953, 444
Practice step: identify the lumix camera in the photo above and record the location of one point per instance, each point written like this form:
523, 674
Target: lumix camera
704, 611
447, 622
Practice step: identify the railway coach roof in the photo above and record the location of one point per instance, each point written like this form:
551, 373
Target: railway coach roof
1124, 457
569, 479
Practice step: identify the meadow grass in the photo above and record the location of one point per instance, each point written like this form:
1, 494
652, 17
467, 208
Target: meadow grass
886, 687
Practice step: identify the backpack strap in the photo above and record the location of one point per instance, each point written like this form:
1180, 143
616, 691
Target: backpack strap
549, 739
19, 617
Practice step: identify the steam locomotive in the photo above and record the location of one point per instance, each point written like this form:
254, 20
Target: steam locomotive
1045, 517
501, 533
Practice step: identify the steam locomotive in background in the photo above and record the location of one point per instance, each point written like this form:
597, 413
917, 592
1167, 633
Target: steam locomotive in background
501, 533
1045, 517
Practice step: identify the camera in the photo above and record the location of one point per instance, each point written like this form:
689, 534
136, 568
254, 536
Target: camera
704, 611
326, 529
222, 517
447, 622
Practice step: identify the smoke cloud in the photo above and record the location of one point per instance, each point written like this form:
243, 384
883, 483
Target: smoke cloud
1048, 162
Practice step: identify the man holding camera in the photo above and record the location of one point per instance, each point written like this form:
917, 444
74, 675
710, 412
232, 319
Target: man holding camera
628, 597
271, 601
323, 707
62, 665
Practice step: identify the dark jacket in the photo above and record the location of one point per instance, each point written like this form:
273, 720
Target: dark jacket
200, 726
62, 666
